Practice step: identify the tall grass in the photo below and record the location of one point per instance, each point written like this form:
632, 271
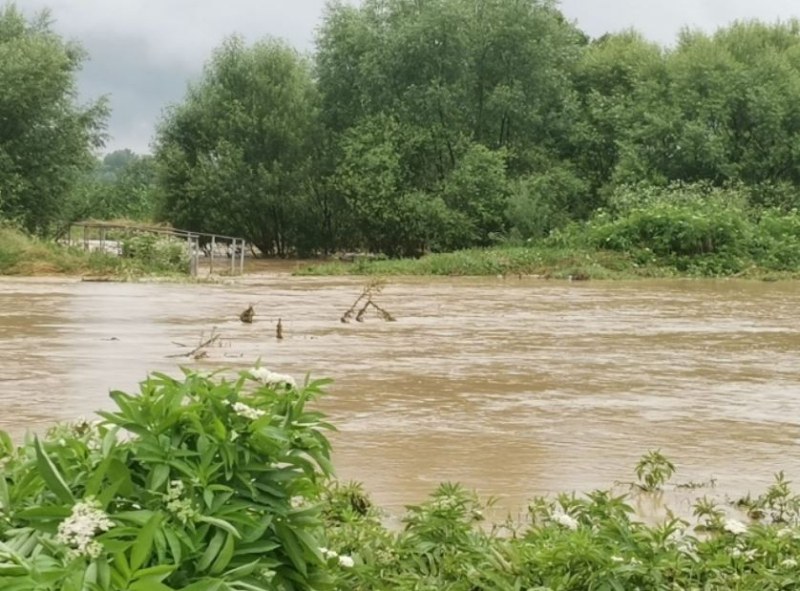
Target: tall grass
21, 254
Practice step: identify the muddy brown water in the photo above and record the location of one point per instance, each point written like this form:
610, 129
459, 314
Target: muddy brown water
512, 387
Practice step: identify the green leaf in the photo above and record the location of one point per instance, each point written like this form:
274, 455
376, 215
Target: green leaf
174, 545
48, 513
205, 585
221, 524
96, 480
143, 547
159, 572
51, 476
211, 551
224, 557
149, 585
292, 547
5, 499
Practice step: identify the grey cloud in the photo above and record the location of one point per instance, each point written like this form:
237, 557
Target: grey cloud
143, 52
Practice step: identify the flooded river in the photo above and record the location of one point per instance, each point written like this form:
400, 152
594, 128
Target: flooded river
512, 387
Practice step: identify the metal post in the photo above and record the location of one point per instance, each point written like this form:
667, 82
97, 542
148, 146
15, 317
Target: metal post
233, 256
103, 240
213, 248
192, 255
85, 243
241, 260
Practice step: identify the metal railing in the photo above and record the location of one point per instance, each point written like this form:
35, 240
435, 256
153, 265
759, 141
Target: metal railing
94, 235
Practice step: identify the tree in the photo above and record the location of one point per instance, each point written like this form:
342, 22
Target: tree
46, 138
235, 156
121, 185
474, 92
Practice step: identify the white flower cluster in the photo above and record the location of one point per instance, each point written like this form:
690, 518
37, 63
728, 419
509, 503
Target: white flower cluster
178, 505
279, 381
78, 530
344, 560
746, 554
564, 520
735, 527
789, 563
248, 412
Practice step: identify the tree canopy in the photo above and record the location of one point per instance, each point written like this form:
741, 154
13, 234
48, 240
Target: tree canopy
46, 137
415, 126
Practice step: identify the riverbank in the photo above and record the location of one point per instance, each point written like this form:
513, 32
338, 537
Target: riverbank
549, 263
27, 256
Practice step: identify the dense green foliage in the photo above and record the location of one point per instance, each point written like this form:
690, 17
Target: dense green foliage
120, 186
207, 484
195, 485
426, 127
450, 124
46, 138
235, 157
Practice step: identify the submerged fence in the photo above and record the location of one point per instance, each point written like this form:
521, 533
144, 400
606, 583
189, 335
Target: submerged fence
110, 237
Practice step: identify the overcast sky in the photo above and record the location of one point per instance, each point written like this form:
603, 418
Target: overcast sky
143, 52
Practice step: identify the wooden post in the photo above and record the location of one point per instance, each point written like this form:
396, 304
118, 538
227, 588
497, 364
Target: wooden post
241, 260
233, 256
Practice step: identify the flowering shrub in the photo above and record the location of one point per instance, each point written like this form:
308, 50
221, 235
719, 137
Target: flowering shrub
568, 544
190, 485
213, 485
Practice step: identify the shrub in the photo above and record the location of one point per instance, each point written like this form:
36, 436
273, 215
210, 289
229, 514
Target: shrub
156, 254
192, 485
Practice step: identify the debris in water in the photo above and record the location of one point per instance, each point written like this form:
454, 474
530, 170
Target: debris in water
247, 315
279, 330
199, 352
372, 288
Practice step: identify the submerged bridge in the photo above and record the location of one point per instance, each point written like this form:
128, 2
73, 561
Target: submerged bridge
109, 237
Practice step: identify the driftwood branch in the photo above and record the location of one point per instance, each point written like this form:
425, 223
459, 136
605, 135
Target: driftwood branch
373, 288
199, 351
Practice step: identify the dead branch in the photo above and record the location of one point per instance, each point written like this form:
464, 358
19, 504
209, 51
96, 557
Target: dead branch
199, 351
373, 288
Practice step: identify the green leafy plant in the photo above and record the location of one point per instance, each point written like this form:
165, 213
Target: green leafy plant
195, 484
653, 471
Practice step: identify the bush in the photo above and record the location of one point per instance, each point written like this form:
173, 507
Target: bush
191, 485
156, 254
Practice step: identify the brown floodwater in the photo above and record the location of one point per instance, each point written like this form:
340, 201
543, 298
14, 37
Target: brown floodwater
512, 387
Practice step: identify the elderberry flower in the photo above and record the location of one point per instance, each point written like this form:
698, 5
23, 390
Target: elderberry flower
789, 563
346, 561
279, 381
246, 411
326, 554
564, 520
78, 530
735, 527
176, 503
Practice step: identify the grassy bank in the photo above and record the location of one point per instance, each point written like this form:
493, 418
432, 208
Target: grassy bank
691, 232
24, 255
207, 484
547, 262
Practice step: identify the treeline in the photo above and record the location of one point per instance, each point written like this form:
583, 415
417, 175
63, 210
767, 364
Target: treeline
443, 124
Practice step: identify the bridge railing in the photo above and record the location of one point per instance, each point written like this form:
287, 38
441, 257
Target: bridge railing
100, 235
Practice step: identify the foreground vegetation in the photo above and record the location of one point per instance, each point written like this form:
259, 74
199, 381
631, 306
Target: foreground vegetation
208, 484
